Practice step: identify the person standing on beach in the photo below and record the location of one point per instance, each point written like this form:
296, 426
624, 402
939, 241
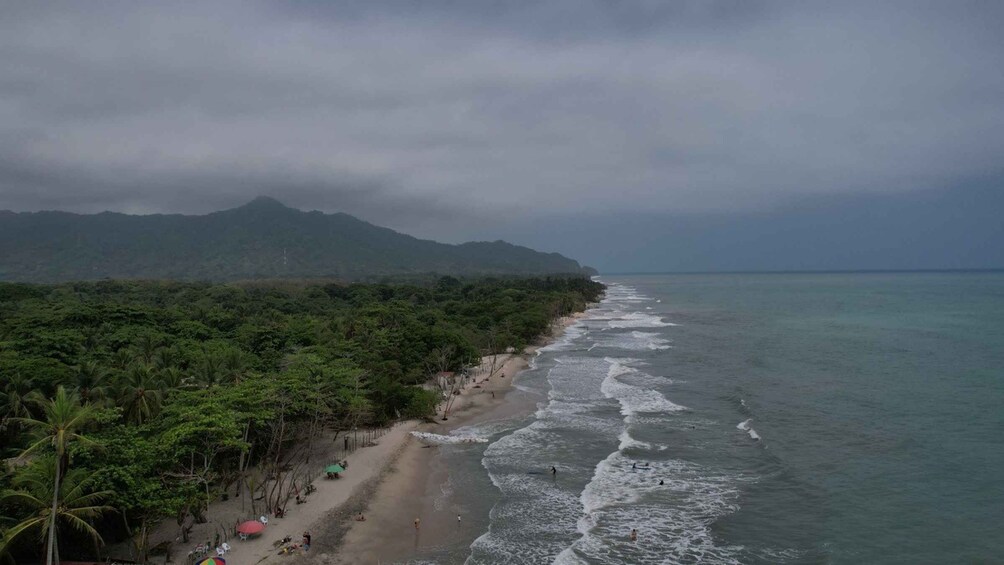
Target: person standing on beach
417, 521
306, 541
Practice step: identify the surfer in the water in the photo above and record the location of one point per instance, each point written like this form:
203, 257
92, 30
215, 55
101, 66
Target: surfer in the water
554, 471
660, 482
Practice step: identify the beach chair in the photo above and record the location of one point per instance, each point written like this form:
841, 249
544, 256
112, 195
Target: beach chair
226, 547
243, 536
219, 552
263, 520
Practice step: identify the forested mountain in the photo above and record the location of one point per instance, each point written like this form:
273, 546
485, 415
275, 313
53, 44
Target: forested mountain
262, 239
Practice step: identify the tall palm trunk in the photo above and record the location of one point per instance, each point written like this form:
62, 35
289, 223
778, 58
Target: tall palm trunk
50, 553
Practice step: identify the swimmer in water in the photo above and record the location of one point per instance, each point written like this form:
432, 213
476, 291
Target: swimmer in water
634, 535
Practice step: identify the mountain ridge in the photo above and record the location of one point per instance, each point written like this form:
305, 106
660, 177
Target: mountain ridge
258, 240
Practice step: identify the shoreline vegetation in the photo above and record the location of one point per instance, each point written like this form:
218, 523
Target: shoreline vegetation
156, 416
411, 484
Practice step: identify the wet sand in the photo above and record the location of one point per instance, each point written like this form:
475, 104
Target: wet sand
411, 487
408, 487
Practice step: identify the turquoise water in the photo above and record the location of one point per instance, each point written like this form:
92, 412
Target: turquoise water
824, 418
879, 399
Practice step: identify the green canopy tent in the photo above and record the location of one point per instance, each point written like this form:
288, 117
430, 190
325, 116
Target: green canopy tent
333, 470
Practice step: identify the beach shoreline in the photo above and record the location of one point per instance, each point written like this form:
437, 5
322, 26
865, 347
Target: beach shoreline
411, 484
392, 480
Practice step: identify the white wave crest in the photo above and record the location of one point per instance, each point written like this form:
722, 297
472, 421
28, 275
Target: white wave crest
746, 427
634, 399
639, 320
632, 341
429, 438
671, 517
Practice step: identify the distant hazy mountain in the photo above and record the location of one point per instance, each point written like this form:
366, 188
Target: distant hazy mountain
262, 239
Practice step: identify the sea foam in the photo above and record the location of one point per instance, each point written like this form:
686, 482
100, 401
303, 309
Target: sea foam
639, 320
672, 518
746, 427
437, 439
632, 341
634, 399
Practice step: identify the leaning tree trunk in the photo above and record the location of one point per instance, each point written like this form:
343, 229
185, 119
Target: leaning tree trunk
240, 463
144, 540
51, 550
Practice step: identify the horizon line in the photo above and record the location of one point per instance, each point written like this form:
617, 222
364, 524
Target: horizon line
806, 272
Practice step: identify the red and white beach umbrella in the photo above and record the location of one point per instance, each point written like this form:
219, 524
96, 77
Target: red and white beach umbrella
251, 527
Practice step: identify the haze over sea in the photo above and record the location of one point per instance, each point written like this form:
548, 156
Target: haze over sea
794, 418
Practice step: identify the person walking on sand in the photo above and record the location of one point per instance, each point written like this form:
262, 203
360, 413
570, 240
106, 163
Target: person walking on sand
306, 541
458, 518
417, 522
634, 534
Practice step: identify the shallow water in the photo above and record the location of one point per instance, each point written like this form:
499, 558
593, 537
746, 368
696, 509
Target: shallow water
832, 418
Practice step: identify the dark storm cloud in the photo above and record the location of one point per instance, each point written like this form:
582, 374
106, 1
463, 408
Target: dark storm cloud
434, 117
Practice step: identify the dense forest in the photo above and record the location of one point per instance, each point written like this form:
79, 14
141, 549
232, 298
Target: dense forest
128, 403
262, 239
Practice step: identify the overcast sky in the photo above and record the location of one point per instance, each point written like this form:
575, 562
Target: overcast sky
528, 121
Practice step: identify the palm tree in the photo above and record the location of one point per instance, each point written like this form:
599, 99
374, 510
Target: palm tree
123, 357
171, 379
234, 365
92, 336
72, 504
89, 382
147, 346
167, 357
15, 397
210, 371
140, 394
64, 420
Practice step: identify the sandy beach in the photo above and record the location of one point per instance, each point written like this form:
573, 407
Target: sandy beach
391, 481
365, 467
414, 481
410, 486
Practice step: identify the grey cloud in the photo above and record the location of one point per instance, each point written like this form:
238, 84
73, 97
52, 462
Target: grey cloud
440, 117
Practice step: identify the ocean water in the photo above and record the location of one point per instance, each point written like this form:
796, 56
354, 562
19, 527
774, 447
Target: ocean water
791, 418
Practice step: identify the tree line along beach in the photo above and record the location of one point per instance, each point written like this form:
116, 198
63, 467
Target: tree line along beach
168, 413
